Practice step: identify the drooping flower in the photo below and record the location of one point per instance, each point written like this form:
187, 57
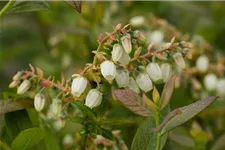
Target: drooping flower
133, 85
122, 78
220, 88
56, 106
179, 60
210, 82
125, 59
202, 63
154, 71
108, 70
94, 98
144, 82
166, 71
39, 102
24, 86
79, 85
117, 52
137, 21
126, 42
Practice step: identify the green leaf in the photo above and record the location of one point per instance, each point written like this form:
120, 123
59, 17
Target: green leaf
101, 109
50, 140
145, 139
133, 101
185, 113
107, 134
77, 119
28, 138
167, 91
24, 6
87, 112
15, 122
75, 4
219, 144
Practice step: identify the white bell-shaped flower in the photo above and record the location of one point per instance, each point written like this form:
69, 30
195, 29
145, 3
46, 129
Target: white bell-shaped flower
210, 82
144, 82
166, 71
133, 85
108, 70
178, 58
220, 88
24, 86
79, 85
157, 37
56, 106
126, 42
39, 102
94, 98
202, 63
117, 52
122, 78
125, 59
154, 71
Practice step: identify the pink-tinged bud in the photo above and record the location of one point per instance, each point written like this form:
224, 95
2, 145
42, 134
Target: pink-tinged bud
126, 42
166, 71
139, 35
154, 71
61, 122
24, 86
17, 75
14, 84
202, 63
144, 82
93, 99
108, 70
179, 60
39, 102
117, 52
79, 85
47, 83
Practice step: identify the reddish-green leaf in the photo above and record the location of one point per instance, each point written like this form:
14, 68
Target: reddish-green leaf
183, 114
133, 101
75, 4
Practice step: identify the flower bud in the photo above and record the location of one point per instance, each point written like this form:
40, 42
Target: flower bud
39, 102
144, 82
140, 36
202, 63
154, 71
117, 52
210, 82
220, 88
133, 85
166, 71
56, 106
93, 99
14, 83
125, 59
61, 122
79, 84
179, 60
122, 78
126, 42
108, 70
137, 21
24, 86
17, 75
68, 140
